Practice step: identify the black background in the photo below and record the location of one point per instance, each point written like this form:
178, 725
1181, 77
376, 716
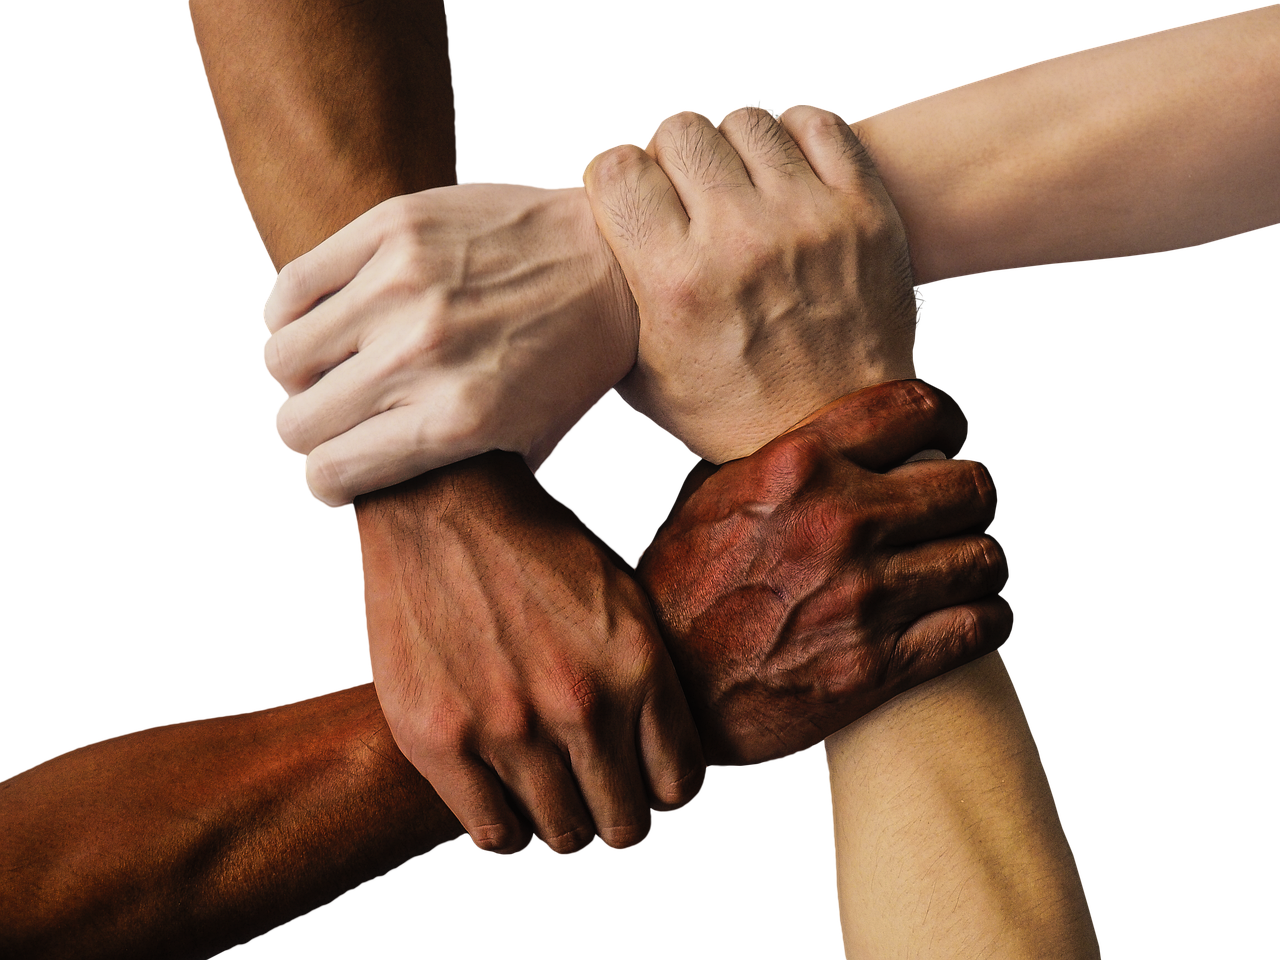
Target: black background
1137, 513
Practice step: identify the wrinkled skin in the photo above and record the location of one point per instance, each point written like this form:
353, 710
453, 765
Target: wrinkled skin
443, 324
802, 587
769, 266
518, 663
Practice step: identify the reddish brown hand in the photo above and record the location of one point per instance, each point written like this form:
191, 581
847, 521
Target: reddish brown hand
802, 587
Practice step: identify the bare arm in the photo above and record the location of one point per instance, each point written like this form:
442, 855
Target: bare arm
1164, 141
185, 840
328, 107
188, 839
948, 843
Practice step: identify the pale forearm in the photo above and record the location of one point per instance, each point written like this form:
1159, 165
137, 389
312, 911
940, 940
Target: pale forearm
1155, 143
185, 840
947, 840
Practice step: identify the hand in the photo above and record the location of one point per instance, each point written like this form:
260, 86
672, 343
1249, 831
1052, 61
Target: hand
441, 325
770, 268
518, 665
802, 587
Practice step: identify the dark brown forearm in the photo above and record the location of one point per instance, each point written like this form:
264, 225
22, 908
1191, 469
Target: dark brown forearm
328, 107
182, 841
185, 840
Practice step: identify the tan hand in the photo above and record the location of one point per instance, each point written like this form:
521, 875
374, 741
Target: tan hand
517, 662
770, 269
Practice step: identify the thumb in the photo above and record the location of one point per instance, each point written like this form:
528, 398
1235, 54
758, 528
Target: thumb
879, 427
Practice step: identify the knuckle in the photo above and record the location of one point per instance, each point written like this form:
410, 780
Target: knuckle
582, 703
682, 122
398, 217
406, 269
431, 740
615, 166
966, 629
747, 118
328, 481
919, 397
826, 523
509, 724
498, 838
795, 462
984, 487
427, 338
288, 429
289, 288
862, 598
679, 788
988, 556
812, 121
462, 423
622, 835
278, 360
572, 840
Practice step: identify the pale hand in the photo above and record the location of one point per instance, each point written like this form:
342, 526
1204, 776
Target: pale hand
443, 324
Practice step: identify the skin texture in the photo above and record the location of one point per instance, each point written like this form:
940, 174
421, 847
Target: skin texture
948, 843
511, 700
964, 855
818, 550
185, 840
359, 110
1155, 143
1108, 152
445, 308
769, 267
284, 183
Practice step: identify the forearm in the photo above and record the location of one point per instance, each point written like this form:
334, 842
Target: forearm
188, 839
328, 107
1155, 143
947, 840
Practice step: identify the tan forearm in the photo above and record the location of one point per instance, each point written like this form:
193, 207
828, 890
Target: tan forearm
948, 844
328, 107
1160, 142
188, 839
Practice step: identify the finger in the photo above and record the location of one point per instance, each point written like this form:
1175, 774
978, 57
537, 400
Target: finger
768, 153
327, 268
608, 774
832, 149
944, 573
299, 353
634, 204
879, 427
541, 784
670, 747
699, 162
475, 795
353, 391
945, 639
930, 499
389, 448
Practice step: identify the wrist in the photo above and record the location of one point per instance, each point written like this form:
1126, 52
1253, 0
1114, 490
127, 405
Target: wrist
619, 317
